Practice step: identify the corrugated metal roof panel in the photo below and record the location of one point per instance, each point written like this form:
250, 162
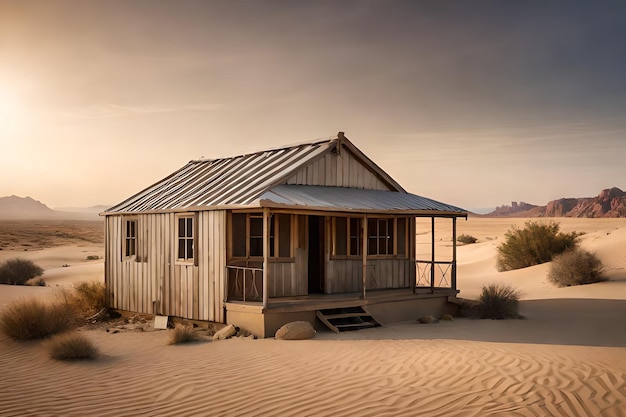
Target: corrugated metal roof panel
220, 182
350, 199
252, 180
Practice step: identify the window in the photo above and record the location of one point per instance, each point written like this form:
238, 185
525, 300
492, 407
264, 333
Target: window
256, 235
283, 225
247, 235
380, 236
347, 236
130, 238
341, 236
402, 235
385, 236
186, 238
239, 234
355, 233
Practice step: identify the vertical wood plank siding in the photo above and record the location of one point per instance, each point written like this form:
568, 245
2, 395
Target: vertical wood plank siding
153, 282
338, 171
285, 281
345, 275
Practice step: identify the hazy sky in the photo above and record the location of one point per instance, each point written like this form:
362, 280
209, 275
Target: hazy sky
474, 103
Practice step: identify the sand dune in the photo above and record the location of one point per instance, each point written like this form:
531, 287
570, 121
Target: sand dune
568, 358
140, 375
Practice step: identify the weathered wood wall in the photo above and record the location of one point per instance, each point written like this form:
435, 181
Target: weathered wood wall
338, 171
345, 275
153, 282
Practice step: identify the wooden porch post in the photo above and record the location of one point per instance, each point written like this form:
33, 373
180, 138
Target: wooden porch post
364, 250
453, 280
432, 256
266, 253
413, 249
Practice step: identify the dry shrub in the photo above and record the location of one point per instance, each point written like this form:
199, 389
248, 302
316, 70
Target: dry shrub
37, 282
535, 244
34, 319
17, 271
90, 296
576, 267
467, 239
498, 301
184, 334
70, 346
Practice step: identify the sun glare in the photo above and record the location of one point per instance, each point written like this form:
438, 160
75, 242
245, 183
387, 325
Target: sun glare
9, 108
6, 104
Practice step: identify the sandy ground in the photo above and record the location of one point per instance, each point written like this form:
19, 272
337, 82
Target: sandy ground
568, 358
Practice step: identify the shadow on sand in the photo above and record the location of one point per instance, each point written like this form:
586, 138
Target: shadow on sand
583, 322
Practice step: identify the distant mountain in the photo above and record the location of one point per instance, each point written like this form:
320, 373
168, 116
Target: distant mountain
611, 202
93, 209
15, 207
26, 208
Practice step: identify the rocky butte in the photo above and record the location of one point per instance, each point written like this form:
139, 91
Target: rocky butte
611, 202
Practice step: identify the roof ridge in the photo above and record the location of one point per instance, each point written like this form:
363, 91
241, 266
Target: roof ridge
262, 151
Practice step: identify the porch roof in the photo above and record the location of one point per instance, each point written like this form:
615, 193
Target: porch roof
355, 200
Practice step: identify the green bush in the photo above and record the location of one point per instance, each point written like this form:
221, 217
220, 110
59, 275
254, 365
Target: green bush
576, 267
17, 271
184, 334
498, 301
467, 239
70, 346
92, 257
34, 319
535, 244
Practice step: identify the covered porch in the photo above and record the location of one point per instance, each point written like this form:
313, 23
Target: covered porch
263, 293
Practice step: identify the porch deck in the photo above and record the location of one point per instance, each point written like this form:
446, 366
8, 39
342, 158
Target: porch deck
315, 302
387, 306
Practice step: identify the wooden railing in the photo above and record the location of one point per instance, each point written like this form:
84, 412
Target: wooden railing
245, 283
435, 275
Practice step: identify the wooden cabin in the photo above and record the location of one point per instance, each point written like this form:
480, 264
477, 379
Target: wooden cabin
309, 231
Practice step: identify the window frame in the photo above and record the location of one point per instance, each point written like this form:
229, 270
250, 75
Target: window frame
129, 238
354, 242
187, 260
275, 235
384, 237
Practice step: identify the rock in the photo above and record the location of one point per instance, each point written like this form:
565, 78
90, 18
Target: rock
225, 332
427, 319
296, 330
447, 317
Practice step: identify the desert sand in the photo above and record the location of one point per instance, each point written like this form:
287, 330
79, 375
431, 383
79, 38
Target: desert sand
567, 358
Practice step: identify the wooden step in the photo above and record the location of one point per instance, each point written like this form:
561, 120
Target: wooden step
343, 315
348, 318
363, 325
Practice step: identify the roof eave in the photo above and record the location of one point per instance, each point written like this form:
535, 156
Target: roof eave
413, 212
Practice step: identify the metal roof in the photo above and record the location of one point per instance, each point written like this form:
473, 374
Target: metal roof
254, 179
237, 180
351, 199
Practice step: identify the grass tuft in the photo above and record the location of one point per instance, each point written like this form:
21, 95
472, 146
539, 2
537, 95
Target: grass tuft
184, 334
90, 296
498, 301
34, 319
71, 346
